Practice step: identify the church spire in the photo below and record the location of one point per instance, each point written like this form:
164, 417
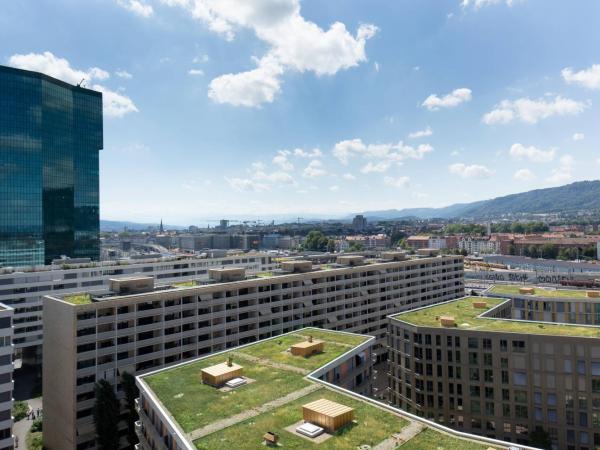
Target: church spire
162, 229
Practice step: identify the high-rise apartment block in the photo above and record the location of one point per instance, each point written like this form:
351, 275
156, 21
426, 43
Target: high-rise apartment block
50, 137
6, 378
24, 290
136, 326
508, 368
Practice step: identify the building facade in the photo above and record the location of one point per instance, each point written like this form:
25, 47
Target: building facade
50, 138
24, 290
469, 365
6, 379
98, 336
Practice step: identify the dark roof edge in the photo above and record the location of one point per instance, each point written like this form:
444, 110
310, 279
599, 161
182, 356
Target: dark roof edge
49, 78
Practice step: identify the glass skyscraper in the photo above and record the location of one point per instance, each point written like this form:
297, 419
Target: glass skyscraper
50, 138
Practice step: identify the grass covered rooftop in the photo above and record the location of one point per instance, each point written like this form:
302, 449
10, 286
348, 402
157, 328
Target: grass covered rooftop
212, 418
509, 289
466, 317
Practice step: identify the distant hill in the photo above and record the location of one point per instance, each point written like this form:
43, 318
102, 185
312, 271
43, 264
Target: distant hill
579, 196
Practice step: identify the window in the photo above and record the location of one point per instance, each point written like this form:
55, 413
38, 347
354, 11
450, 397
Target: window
521, 396
521, 411
473, 343
520, 378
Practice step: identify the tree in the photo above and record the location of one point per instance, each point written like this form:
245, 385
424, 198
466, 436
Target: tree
131, 393
549, 251
540, 438
316, 241
356, 247
106, 416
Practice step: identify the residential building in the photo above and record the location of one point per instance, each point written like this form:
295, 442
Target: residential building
478, 244
51, 137
6, 378
417, 242
24, 290
503, 367
134, 327
359, 223
372, 242
316, 389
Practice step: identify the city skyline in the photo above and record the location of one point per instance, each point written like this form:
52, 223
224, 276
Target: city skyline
385, 103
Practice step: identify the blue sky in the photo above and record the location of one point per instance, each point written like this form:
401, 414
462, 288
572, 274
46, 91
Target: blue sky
219, 108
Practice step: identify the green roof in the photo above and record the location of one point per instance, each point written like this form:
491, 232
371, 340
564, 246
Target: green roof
78, 299
212, 418
466, 318
504, 289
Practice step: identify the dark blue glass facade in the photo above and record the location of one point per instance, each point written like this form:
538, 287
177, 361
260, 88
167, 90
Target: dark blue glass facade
50, 138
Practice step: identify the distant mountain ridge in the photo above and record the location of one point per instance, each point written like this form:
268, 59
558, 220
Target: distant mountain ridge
578, 196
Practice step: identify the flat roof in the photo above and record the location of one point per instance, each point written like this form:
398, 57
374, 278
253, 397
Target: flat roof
276, 390
467, 317
540, 291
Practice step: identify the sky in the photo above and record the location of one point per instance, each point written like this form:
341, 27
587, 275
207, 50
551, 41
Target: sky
322, 108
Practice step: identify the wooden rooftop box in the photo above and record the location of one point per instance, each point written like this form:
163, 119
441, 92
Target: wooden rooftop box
481, 304
592, 294
307, 348
327, 414
526, 290
447, 321
220, 374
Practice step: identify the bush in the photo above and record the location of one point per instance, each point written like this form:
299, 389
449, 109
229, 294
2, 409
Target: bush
36, 426
19, 410
34, 441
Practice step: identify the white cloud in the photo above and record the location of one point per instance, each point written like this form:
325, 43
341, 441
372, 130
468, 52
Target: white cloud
376, 167
455, 98
578, 136
589, 78
201, 59
531, 111
114, 104
138, 7
519, 152
246, 184
421, 133
376, 66
455, 153
314, 169
345, 150
281, 160
470, 171
123, 74
293, 44
481, 3
400, 182
56, 67
524, 175
314, 153
348, 177
564, 172
251, 88
334, 188
195, 72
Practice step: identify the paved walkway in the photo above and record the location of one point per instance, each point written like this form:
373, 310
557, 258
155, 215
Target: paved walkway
325, 340
21, 427
406, 434
273, 364
252, 412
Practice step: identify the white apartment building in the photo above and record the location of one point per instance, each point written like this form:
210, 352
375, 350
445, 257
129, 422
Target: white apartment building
24, 290
478, 245
137, 327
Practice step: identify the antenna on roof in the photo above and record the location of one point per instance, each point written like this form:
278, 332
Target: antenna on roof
81, 82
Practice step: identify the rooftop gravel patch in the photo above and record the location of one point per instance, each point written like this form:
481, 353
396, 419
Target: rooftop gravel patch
466, 318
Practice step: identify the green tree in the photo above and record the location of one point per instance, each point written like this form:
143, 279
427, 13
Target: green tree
131, 393
316, 241
106, 416
356, 247
549, 251
330, 245
540, 438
